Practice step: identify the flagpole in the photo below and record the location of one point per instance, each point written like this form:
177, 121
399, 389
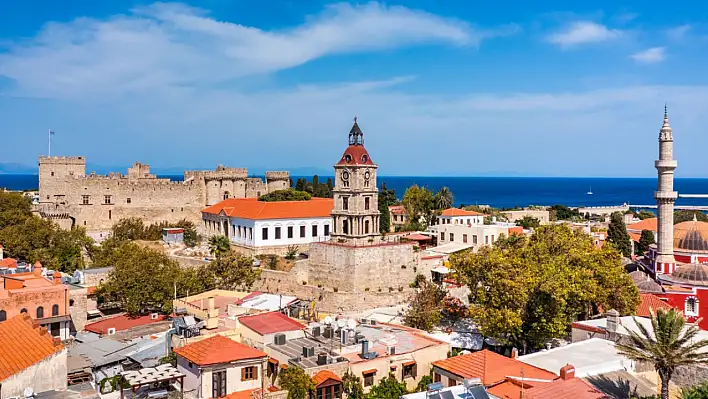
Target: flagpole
49, 135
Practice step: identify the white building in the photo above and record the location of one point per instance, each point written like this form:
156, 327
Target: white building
260, 227
460, 216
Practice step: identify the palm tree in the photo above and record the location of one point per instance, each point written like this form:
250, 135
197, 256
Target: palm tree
444, 198
219, 245
669, 345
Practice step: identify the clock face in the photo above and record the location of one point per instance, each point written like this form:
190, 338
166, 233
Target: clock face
366, 174
345, 175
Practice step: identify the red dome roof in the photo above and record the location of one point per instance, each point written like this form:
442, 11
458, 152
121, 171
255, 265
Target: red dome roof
355, 155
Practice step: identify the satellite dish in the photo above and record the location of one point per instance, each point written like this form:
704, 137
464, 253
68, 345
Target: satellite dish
28, 392
351, 324
341, 323
328, 320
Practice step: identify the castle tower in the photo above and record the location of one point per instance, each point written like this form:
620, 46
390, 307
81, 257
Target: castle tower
665, 197
356, 205
54, 172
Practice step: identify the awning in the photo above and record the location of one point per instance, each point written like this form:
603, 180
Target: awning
441, 270
417, 237
411, 363
274, 361
370, 371
283, 366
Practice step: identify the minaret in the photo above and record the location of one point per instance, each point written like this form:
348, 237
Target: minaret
665, 197
356, 204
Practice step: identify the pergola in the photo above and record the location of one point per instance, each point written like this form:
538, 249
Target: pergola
153, 376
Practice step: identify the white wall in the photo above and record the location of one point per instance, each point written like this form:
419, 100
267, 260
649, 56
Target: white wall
464, 220
233, 377
47, 375
485, 234
191, 374
271, 225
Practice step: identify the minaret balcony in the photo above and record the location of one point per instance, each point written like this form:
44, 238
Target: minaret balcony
665, 195
665, 164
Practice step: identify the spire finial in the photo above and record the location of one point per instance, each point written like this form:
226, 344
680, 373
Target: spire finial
666, 112
354, 118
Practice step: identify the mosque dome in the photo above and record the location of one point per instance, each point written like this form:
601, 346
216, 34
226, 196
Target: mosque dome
645, 284
691, 236
694, 274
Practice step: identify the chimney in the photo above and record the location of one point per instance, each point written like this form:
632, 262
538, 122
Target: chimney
57, 277
567, 372
612, 322
37, 269
514, 353
364, 347
210, 304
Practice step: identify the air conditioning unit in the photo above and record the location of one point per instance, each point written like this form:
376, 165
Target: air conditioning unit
111, 331
372, 322
154, 316
279, 339
316, 331
390, 350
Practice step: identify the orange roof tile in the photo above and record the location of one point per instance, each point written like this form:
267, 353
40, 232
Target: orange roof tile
22, 345
217, 349
459, 212
8, 262
271, 322
397, 209
574, 388
646, 224
635, 236
247, 394
490, 367
358, 156
651, 301
91, 290
511, 389
251, 208
121, 323
323, 376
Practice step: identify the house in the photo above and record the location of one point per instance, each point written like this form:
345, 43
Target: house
542, 215
472, 386
260, 227
218, 366
460, 216
398, 217
327, 385
566, 387
26, 353
123, 322
651, 302
41, 295
260, 329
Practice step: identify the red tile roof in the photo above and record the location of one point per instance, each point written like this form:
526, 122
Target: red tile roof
397, 209
323, 376
22, 345
251, 208
218, 349
247, 394
459, 212
8, 262
490, 367
416, 237
574, 388
651, 301
121, 323
646, 224
358, 154
269, 323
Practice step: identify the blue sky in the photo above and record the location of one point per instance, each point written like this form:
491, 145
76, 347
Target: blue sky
439, 87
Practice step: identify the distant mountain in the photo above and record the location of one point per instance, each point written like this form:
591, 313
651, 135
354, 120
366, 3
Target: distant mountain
17, 168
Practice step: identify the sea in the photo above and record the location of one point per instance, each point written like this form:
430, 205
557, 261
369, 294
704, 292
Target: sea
503, 192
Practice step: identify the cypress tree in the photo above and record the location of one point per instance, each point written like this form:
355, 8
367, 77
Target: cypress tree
618, 236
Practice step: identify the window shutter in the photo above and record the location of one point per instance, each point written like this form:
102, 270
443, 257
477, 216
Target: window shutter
255, 373
243, 374
415, 370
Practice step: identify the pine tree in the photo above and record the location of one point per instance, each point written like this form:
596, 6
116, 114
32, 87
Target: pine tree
645, 241
618, 236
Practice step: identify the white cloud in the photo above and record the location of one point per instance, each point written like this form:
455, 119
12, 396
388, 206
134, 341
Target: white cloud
168, 45
650, 56
679, 32
583, 32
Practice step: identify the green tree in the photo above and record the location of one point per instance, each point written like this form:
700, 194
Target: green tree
351, 385
388, 388
531, 291
618, 236
646, 239
292, 252
424, 382
129, 229
696, 392
671, 344
687, 215
562, 212
298, 384
219, 245
387, 197
444, 198
425, 307
231, 271
301, 184
420, 205
15, 208
642, 215
528, 222
286, 195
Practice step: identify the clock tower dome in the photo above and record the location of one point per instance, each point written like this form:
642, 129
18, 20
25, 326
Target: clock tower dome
356, 205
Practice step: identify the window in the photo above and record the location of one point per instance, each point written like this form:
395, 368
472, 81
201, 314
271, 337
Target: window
326, 228
452, 237
190, 365
85, 199
226, 195
40, 312
110, 214
691, 307
314, 230
55, 310
492, 238
302, 231
410, 370
437, 377
218, 384
277, 233
451, 382
367, 203
345, 227
464, 238
474, 239
290, 231
249, 373
366, 227
368, 379
345, 203
486, 240
366, 183
338, 391
107, 199
3, 315
24, 310
442, 236
52, 173
468, 221
127, 200
265, 233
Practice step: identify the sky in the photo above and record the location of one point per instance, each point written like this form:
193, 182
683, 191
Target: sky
464, 88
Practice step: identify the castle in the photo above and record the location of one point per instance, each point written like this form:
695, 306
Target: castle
72, 198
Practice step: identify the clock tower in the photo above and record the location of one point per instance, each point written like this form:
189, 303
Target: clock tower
356, 205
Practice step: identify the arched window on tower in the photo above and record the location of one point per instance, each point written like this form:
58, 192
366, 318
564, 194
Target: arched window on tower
226, 195
366, 227
55, 310
345, 227
40, 312
691, 307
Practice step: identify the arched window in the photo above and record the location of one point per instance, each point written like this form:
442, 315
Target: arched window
55, 310
345, 227
366, 227
3, 315
40, 312
691, 307
24, 310
71, 302
226, 195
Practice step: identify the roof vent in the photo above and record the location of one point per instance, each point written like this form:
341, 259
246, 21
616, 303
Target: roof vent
154, 316
111, 331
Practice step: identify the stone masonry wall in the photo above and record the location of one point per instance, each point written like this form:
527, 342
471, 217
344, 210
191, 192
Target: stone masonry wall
78, 307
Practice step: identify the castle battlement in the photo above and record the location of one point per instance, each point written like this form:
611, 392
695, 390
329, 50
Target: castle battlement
220, 173
277, 175
62, 160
